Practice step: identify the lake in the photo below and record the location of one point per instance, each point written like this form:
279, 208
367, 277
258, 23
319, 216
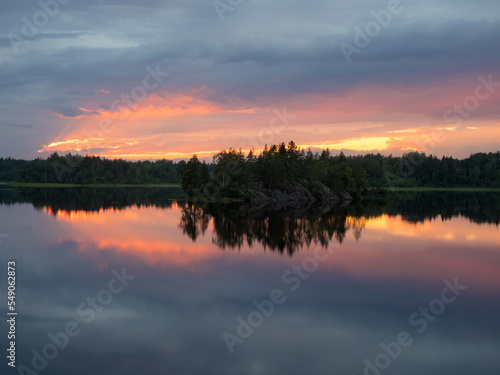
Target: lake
132, 281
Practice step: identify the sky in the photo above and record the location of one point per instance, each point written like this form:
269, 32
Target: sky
167, 79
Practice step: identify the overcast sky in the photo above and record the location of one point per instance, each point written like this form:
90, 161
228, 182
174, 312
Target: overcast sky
166, 79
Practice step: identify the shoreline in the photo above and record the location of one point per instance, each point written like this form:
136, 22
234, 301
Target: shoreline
174, 185
59, 185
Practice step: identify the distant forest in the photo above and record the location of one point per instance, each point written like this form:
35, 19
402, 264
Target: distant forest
277, 163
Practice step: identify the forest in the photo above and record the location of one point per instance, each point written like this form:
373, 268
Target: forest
81, 170
280, 172
231, 170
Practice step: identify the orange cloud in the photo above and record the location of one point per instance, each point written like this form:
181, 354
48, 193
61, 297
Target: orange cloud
356, 144
177, 125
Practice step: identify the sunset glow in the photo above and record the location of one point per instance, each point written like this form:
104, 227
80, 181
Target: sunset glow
144, 93
139, 232
179, 126
250, 187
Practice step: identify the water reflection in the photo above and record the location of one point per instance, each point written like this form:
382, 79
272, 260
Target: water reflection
194, 221
392, 260
418, 207
90, 199
235, 226
292, 229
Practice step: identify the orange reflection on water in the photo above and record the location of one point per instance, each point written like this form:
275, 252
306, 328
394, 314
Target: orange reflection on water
378, 248
154, 215
431, 251
457, 229
151, 234
74, 215
155, 253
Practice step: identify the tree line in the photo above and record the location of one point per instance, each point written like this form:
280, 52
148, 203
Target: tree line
76, 169
416, 169
232, 170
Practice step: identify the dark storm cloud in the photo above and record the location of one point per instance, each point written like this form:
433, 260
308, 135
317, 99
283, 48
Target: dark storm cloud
257, 67
407, 55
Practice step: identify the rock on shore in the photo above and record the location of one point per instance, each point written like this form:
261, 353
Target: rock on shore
296, 192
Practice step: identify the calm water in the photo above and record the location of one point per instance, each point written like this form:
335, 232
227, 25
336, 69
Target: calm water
239, 290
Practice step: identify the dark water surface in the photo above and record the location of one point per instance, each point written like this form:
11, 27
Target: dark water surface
128, 281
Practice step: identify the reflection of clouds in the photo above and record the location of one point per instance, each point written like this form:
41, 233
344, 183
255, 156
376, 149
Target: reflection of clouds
458, 229
390, 248
173, 315
153, 253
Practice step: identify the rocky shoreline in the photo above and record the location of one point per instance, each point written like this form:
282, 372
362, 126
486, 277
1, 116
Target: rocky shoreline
295, 193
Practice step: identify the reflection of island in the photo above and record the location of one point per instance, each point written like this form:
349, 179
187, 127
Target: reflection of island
290, 229
276, 228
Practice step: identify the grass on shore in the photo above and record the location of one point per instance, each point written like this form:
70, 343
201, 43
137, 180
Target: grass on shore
456, 189
56, 185
389, 189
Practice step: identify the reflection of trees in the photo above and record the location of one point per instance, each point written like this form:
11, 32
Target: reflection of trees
479, 207
290, 229
357, 224
278, 230
193, 221
90, 199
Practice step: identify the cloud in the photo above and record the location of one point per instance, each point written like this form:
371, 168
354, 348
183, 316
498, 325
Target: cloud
18, 126
264, 54
74, 112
